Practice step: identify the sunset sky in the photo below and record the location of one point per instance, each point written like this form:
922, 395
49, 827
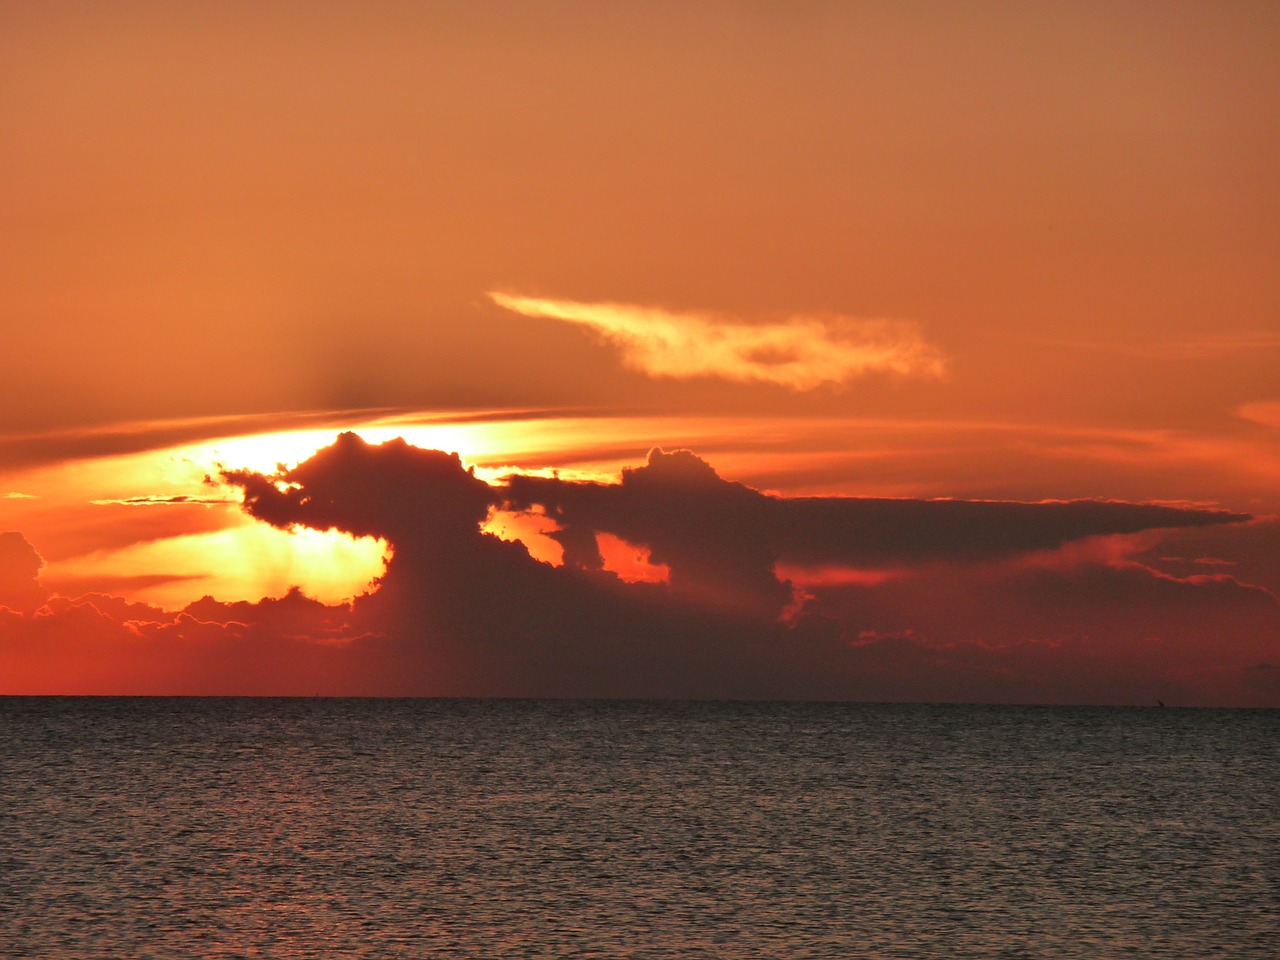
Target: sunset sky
883, 285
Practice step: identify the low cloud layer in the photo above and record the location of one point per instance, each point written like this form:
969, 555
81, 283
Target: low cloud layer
801, 353
723, 539
988, 601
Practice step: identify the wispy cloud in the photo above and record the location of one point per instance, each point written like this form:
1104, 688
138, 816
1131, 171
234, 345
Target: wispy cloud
801, 353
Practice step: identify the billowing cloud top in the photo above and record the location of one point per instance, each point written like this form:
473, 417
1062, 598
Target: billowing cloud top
801, 353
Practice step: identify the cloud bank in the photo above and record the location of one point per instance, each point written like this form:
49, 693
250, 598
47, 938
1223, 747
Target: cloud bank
987, 601
801, 354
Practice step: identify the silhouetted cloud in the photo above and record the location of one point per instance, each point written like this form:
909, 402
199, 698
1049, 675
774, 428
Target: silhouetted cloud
1250, 552
479, 615
1084, 632
993, 601
801, 353
723, 540
486, 617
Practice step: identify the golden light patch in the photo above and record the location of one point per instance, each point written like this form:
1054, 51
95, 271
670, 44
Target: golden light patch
530, 529
629, 561
245, 562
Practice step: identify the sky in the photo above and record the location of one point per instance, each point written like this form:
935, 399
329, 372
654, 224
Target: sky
853, 351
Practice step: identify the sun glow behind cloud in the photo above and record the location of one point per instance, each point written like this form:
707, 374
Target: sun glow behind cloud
801, 353
242, 562
150, 516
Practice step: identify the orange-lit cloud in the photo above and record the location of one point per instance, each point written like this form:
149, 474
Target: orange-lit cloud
630, 562
800, 353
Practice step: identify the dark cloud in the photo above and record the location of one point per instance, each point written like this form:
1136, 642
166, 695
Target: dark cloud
481, 616
391, 490
1250, 552
710, 533
984, 608
293, 615
1066, 633
1264, 678
484, 617
722, 540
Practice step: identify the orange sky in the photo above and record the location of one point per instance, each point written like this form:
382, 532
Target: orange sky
1013, 251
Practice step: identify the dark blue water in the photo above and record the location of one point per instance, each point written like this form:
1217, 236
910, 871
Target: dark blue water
429, 828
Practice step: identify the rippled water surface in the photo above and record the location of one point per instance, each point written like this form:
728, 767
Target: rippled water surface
435, 828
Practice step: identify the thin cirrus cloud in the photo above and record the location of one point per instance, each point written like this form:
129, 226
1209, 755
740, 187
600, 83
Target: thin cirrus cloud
801, 353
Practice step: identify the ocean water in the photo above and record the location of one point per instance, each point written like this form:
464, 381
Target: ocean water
450, 828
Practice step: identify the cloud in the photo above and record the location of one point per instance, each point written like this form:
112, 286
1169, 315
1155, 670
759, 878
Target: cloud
485, 617
801, 353
723, 541
100, 644
1249, 551
989, 601
1084, 632
103, 645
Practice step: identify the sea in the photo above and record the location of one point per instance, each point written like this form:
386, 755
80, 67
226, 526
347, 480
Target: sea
318, 828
